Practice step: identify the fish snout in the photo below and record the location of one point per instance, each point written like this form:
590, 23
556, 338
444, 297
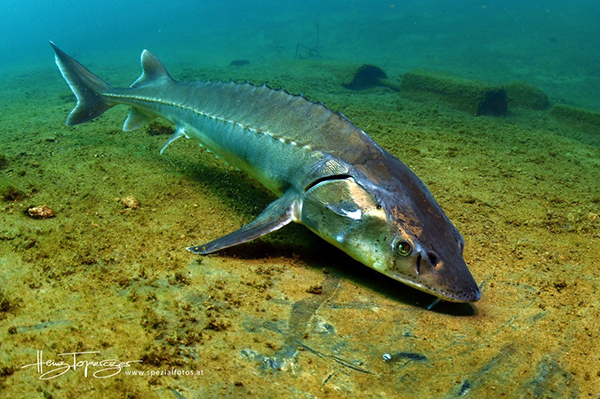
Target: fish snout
460, 286
451, 280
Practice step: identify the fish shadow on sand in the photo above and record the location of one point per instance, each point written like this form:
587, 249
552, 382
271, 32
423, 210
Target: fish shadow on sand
295, 240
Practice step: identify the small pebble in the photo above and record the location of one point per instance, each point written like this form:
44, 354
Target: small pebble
41, 212
131, 202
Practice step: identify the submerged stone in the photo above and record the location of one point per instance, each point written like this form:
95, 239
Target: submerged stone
368, 76
523, 94
477, 98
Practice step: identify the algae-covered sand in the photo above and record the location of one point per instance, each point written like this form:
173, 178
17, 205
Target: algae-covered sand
288, 315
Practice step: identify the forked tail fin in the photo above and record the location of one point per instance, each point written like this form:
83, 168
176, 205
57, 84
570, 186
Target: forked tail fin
86, 86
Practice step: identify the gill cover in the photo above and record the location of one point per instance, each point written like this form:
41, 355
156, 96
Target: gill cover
347, 216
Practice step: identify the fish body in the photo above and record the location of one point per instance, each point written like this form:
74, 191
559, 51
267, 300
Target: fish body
329, 175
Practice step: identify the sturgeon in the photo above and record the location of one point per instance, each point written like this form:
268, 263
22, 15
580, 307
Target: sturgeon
329, 175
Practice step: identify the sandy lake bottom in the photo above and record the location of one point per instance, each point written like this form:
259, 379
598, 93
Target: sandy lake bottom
289, 315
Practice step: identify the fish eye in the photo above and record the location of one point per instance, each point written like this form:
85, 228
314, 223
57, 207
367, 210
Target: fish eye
404, 248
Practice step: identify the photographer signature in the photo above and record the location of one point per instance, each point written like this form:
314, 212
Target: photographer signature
106, 368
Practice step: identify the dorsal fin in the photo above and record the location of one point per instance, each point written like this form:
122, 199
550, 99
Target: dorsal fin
152, 70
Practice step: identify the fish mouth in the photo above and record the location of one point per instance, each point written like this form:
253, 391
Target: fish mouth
471, 294
462, 289
467, 291
456, 287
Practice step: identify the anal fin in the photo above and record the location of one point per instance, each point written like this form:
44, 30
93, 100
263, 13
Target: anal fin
135, 119
276, 215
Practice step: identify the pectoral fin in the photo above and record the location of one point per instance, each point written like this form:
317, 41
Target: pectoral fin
275, 216
179, 133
